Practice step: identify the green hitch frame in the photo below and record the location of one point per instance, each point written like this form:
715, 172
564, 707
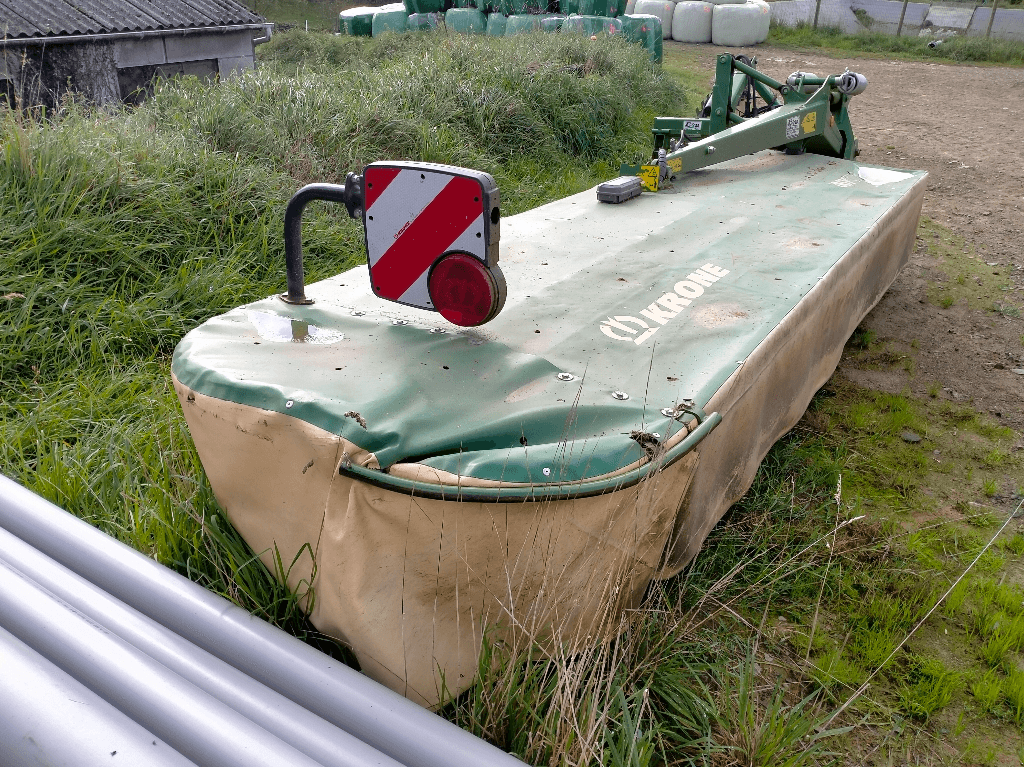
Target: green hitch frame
792, 119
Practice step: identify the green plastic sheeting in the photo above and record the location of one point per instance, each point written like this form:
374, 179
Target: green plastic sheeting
496, 24
466, 20
390, 21
598, 7
425, 21
424, 6
645, 30
569, 7
523, 7
357, 21
550, 22
519, 25
660, 298
592, 25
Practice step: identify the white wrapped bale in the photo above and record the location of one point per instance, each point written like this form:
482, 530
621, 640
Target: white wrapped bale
766, 19
691, 22
663, 9
739, 25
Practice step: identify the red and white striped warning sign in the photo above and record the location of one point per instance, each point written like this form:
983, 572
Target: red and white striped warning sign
416, 213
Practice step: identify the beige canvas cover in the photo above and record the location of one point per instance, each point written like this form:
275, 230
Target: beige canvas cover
770, 391
411, 583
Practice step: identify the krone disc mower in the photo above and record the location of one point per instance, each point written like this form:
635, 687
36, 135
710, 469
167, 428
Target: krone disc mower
439, 448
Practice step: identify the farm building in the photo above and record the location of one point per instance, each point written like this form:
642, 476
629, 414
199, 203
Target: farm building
111, 50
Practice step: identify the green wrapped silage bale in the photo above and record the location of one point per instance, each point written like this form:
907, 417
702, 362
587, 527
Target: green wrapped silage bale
357, 22
424, 21
598, 7
468, 4
390, 21
591, 25
523, 7
518, 25
646, 30
468, 21
552, 22
423, 6
620, 8
496, 24
569, 7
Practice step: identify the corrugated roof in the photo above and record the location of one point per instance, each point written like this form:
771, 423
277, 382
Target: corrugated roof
53, 18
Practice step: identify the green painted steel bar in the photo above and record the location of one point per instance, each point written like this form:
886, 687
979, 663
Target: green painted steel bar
813, 81
775, 128
735, 63
552, 492
770, 96
739, 84
721, 93
828, 132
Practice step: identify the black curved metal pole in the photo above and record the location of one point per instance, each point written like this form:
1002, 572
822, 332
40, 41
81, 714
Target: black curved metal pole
351, 194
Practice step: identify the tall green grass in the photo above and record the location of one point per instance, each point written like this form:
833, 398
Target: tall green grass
124, 229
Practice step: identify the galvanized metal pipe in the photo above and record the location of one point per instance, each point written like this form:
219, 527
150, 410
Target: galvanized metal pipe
374, 714
302, 729
39, 702
189, 720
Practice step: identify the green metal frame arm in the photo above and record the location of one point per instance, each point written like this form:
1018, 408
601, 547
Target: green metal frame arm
758, 76
754, 135
818, 122
770, 97
739, 84
552, 492
721, 93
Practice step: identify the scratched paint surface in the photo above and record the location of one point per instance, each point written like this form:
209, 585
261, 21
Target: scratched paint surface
661, 297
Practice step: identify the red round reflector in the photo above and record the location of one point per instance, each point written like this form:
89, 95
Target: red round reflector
464, 291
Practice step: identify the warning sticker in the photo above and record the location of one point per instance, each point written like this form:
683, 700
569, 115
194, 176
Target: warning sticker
649, 177
675, 164
793, 127
810, 121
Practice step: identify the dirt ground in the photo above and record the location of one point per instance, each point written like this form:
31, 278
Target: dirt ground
963, 124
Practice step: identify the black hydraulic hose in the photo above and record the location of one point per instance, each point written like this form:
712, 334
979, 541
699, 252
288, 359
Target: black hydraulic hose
350, 194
